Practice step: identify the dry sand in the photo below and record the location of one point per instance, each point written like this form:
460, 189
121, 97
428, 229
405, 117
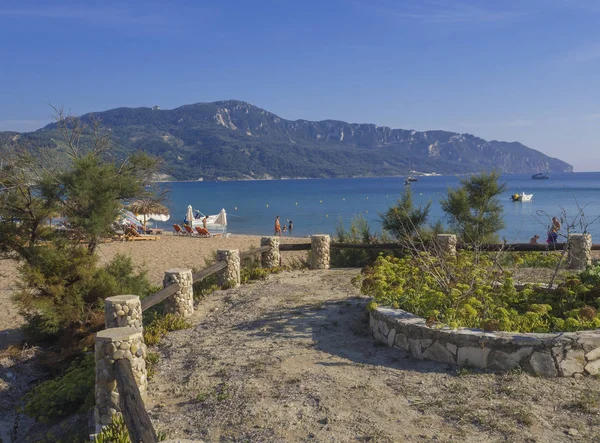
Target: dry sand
155, 256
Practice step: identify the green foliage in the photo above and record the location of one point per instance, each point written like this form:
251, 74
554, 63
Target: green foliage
157, 326
62, 396
251, 269
61, 283
532, 259
116, 432
359, 232
471, 291
403, 220
474, 208
70, 287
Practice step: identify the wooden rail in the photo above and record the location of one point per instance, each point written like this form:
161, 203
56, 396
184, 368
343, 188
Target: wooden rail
253, 252
136, 418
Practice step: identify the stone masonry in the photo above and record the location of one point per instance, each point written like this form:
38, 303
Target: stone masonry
548, 355
580, 251
182, 302
230, 276
446, 243
114, 344
319, 251
271, 258
122, 311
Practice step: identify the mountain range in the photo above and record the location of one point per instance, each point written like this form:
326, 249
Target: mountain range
236, 140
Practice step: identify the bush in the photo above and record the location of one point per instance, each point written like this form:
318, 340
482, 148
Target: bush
71, 287
471, 292
532, 259
359, 232
157, 326
60, 397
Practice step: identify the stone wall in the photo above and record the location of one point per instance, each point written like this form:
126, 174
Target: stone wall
182, 302
320, 252
230, 276
547, 355
271, 258
123, 310
114, 344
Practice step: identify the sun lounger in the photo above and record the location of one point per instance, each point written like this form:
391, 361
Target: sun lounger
204, 233
189, 230
178, 230
132, 234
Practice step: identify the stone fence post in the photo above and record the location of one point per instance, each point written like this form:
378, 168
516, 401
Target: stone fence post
446, 243
580, 251
320, 251
123, 311
230, 276
115, 344
182, 302
271, 258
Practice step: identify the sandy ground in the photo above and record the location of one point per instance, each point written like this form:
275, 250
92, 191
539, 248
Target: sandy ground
290, 359
155, 256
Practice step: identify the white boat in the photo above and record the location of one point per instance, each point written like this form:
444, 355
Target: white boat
217, 221
522, 197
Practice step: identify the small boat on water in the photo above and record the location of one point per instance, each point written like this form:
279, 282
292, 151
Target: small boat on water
216, 221
541, 176
522, 197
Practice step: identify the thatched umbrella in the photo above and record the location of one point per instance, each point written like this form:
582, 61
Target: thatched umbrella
147, 207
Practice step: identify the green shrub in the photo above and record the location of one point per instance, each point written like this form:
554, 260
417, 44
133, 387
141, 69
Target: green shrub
62, 396
156, 326
359, 232
116, 432
531, 259
70, 287
471, 292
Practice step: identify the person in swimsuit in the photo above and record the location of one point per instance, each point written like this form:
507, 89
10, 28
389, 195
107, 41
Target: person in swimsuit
277, 226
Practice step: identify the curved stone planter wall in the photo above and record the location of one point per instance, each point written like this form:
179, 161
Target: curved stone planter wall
548, 355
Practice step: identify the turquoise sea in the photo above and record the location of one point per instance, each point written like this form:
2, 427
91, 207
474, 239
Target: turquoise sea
317, 205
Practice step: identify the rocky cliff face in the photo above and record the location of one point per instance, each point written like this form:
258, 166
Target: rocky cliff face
233, 139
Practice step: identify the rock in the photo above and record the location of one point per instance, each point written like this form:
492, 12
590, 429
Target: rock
473, 356
593, 355
573, 432
415, 348
593, 368
573, 362
437, 352
391, 337
543, 364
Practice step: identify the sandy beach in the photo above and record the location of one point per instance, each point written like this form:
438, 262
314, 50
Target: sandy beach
155, 256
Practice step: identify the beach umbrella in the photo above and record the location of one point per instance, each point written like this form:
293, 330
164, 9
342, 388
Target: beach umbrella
189, 216
147, 207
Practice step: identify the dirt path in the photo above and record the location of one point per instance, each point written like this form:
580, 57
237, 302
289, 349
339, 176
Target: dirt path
290, 359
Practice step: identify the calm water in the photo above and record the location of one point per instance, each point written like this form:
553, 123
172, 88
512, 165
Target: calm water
317, 206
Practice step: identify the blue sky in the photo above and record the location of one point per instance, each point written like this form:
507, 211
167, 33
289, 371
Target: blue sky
523, 70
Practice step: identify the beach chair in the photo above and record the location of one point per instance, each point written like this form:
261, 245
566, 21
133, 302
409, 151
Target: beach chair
178, 230
189, 230
132, 234
204, 233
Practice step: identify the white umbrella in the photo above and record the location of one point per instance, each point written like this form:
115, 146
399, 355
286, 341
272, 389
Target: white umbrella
189, 217
221, 218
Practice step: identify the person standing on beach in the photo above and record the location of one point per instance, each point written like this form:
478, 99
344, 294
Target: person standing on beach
204, 221
555, 224
290, 227
277, 226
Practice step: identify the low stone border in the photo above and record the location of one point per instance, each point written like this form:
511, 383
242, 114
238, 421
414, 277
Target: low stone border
547, 355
